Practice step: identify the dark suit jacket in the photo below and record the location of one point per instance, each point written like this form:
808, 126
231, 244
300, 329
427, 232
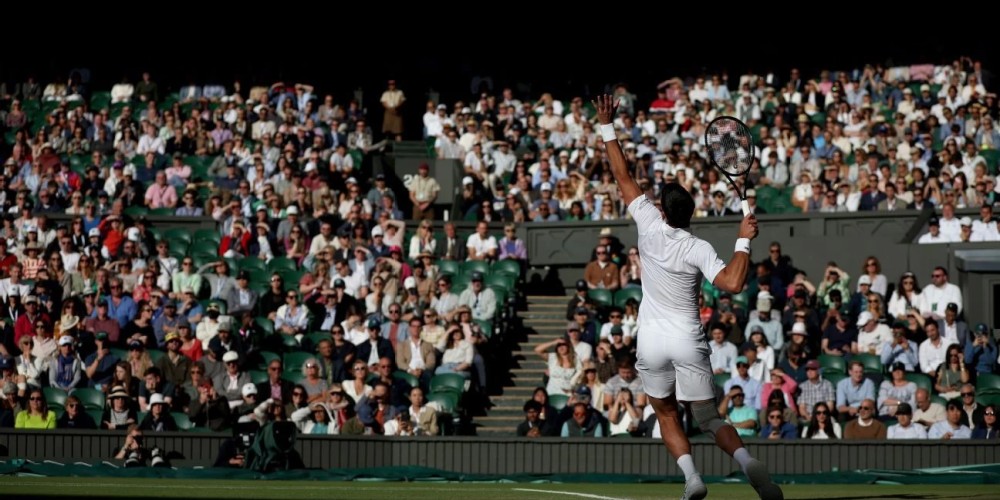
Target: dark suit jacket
961, 331
384, 350
459, 252
264, 390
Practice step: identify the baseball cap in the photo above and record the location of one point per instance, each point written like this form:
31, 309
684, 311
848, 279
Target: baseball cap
572, 325
952, 307
101, 336
799, 328
865, 280
904, 409
374, 323
756, 329
156, 399
546, 186
933, 221
864, 318
6, 364
243, 275
339, 283
898, 365
476, 276
230, 356
965, 221
982, 329
410, 282
581, 310
248, 389
171, 336
581, 285
377, 231
742, 359
292, 210
65, 340
812, 364
583, 391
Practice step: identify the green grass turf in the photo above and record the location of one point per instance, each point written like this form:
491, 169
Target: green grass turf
22, 487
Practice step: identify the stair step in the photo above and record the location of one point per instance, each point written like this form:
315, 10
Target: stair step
496, 430
520, 391
507, 399
527, 372
510, 411
512, 421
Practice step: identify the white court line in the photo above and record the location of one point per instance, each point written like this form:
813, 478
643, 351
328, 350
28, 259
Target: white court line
337, 485
584, 495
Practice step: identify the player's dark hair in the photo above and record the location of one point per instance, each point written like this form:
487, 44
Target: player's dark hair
677, 204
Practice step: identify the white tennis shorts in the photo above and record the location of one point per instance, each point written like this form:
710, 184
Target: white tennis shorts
670, 364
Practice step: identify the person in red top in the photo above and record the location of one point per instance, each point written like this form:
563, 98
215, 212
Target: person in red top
25, 324
113, 233
237, 242
6, 259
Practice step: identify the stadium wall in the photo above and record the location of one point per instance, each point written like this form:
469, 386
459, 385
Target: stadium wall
473, 455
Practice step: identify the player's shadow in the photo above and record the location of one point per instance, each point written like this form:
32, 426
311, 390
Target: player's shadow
912, 496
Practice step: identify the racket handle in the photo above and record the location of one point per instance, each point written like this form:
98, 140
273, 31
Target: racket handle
746, 208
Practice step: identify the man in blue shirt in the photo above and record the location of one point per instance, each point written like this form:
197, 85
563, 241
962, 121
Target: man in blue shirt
853, 390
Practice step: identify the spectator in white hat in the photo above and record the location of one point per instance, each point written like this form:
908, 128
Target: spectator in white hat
231, 382
158, 418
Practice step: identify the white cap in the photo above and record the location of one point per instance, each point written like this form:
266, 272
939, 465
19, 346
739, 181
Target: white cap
466, 110
129, 170
546, 186
249, 389
658, 167
751, 193
230, 356
94, 232
799, 328
310, 167
965, 221
377, 231
156, 399
292, 210
442, 106
66, 340
764, 295
466, 180
515, 191
133, 234
351, 180
410, 282
864, 318
865, 280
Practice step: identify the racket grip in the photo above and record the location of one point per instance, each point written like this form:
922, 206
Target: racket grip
746, 208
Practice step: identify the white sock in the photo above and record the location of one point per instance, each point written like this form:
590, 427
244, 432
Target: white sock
686, 463
743, 457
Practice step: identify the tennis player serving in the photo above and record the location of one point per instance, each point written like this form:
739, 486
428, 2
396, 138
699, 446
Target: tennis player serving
673, 352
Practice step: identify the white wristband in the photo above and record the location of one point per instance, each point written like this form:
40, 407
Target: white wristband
608, 132
743, 245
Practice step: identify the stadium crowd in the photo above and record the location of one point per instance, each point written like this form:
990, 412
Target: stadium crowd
315, 298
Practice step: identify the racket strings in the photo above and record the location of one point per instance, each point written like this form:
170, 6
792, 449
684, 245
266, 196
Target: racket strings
730, 145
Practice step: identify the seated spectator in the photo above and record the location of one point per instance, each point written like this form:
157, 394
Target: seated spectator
898, 390
751, 387
623, 417
723, 352
315, 419
906, 428
951, 374
583, 423
37, 415
840, 338
533, 425
900, 349
814, 390
991, 427
932, 352
481, 245
981, 352
423, 417
782, 385
230, 383
480, 299
159, 418
821, 425
927, 412
511, 247
854, 390
458, 354
400, 425
973, 411
952, 427
65, 368
866, 426
120, 412
626, 377
564, 365
872, 335
738, 414
602, 273
75, 417
777, 427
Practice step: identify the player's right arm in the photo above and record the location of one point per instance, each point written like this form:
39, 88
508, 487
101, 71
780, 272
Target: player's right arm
733, 277
606, 107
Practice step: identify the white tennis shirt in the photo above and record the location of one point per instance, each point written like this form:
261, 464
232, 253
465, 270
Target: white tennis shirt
673, 264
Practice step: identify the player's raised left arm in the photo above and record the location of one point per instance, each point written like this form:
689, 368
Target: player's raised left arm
606, 107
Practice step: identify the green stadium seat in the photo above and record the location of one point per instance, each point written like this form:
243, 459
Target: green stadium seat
834, 378
449, 267
155, 355
447, 401
511, 267
601, 296
922, 381
54, 396
92, 399
176, 236
315, 338
257, 376
265, 325
558, 401
406, 377
939, 400
503, 281
182, 420
207, 235
282, 264
622, 296
987, 382
873, 364
252, 265
136, 211
267, 357
448, 382
831, 364
293, 361
471, 266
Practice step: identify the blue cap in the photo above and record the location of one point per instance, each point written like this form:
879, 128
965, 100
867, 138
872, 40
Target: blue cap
374, 323
6, 363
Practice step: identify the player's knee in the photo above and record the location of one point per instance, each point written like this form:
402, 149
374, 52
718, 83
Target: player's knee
707, 416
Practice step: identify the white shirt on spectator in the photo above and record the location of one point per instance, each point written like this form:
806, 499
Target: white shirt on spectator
481, 245
912, 431
931, 356
937, 298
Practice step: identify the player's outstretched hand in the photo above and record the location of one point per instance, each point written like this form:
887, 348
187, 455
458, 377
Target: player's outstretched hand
606, 106
748, 228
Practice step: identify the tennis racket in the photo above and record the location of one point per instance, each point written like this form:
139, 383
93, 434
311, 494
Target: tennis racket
729, 145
